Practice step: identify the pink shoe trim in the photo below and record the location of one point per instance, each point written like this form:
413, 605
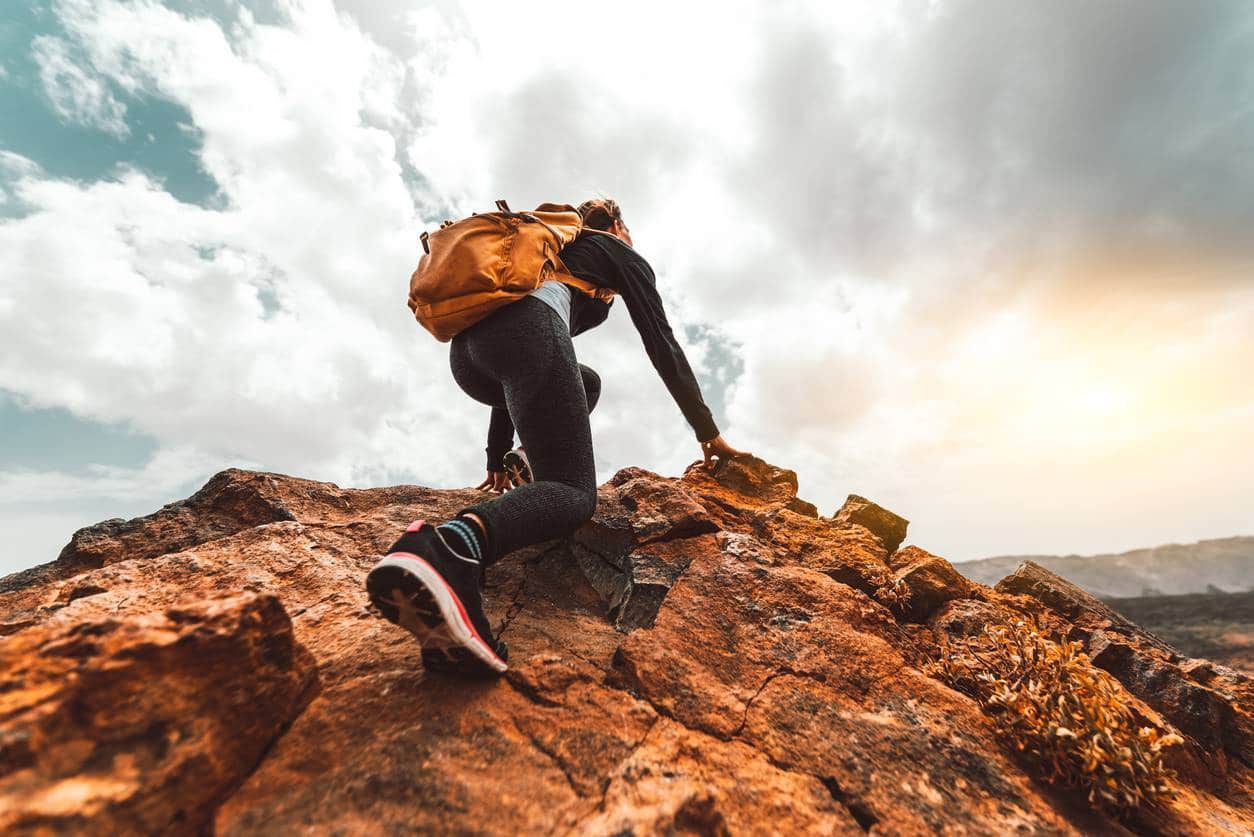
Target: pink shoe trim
461, 609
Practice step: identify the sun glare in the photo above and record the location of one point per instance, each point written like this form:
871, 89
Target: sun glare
1099, 402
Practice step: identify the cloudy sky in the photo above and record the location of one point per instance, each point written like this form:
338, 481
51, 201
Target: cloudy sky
987, 263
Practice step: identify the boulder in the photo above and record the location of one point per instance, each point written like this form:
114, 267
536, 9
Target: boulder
753, 480
890, 528
1070, 602
1214, 712
231, 501
931, 580
143, 724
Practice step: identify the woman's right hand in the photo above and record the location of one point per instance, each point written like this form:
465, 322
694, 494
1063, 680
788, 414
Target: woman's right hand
496, 482
718, 447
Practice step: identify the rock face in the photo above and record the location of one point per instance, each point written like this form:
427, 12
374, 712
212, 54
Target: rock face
708, 655
1213, 705
888, 527
145, 722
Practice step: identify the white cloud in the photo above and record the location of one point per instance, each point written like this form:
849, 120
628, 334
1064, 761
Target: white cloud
14, 167
986, 267
78, 94
123, 304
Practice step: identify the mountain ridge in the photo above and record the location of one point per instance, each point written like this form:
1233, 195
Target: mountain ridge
1226, 564
708, 655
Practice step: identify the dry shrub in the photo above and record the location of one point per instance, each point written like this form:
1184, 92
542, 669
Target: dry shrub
1069, 717
893, 593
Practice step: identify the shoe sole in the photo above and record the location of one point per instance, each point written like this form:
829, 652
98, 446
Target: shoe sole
408, 592
517, 470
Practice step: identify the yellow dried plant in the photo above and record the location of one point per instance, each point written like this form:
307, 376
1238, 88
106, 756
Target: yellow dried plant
1061, 712
893, 593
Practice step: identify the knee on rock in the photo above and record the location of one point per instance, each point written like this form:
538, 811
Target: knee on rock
587, 505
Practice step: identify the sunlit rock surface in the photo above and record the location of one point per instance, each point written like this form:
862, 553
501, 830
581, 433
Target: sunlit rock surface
709, 655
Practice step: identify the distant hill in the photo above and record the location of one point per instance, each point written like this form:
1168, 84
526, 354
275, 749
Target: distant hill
1211, 566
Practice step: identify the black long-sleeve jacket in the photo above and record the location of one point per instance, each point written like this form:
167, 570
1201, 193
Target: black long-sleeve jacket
609, 262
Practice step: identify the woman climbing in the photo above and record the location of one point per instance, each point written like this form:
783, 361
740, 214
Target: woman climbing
521, 361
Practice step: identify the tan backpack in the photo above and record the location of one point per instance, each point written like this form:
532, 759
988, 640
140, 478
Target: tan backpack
474, 266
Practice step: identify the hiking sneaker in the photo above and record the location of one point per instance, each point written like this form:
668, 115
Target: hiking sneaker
517, 468
432, 592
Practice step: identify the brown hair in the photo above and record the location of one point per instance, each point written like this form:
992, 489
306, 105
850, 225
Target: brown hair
600, 213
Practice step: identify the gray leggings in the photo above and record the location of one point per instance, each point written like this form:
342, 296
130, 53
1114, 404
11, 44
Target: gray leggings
521, 358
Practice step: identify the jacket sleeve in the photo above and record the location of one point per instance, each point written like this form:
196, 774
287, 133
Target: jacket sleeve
500, 438
638, 287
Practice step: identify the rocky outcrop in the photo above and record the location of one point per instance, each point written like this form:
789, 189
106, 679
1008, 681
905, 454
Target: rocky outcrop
888, 527
708, 655
930, 580
230, 502
144, 722
1213, 705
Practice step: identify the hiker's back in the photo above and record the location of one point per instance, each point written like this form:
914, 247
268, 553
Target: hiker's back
474, 266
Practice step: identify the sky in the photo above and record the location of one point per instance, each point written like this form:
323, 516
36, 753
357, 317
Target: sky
988, 264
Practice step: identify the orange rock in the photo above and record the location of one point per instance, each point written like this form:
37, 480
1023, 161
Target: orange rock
707, 655
143, 723
679, 781
1212, 708
888, 527
931, 580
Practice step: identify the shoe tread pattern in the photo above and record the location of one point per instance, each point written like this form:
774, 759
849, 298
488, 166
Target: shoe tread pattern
404, 601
